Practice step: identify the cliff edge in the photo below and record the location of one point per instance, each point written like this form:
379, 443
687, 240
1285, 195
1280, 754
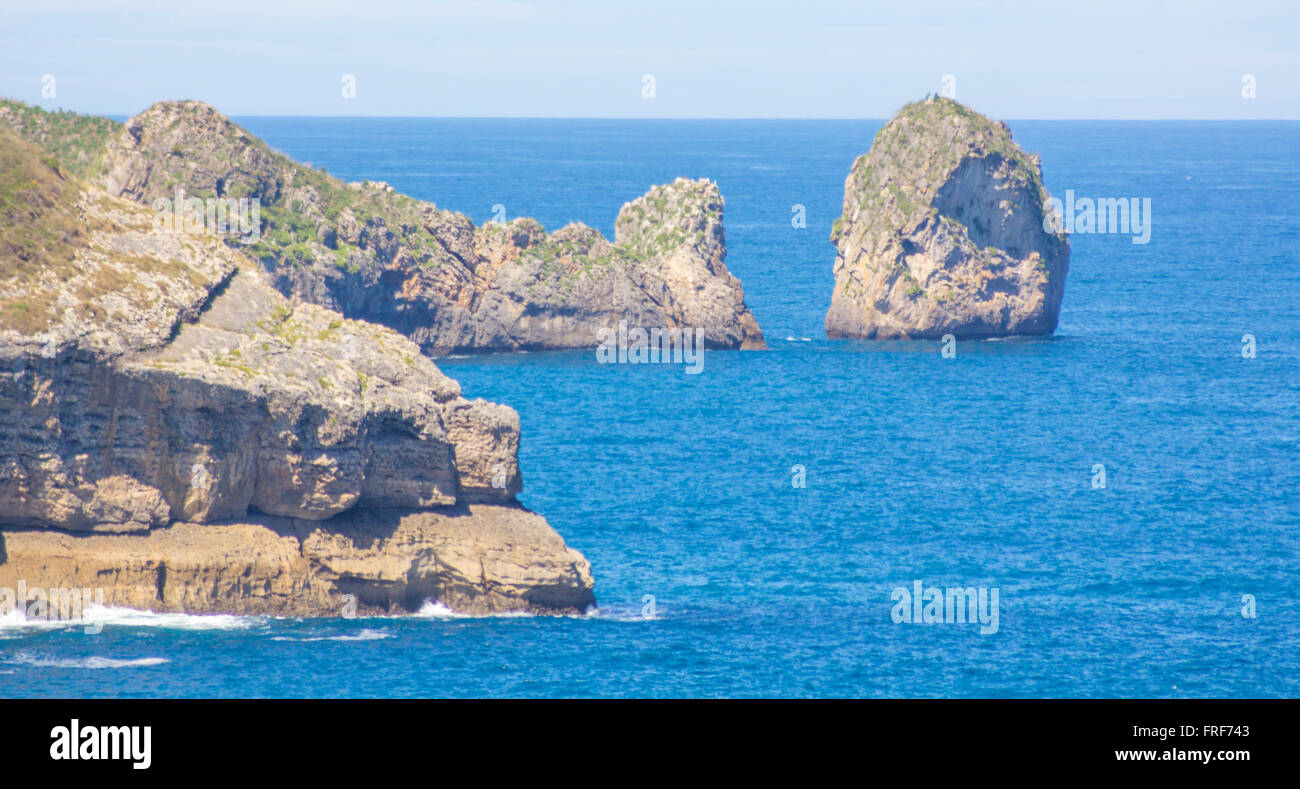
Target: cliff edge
182, 435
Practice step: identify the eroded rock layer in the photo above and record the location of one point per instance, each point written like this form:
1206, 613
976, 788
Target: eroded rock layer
156, 393
476, 559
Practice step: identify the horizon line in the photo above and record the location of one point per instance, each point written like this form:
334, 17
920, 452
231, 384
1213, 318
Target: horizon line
700, 118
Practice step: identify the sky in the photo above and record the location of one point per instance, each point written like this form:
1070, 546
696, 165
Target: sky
1106, 59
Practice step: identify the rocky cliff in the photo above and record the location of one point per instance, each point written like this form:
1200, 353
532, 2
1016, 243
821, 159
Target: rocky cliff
942, 233
374, 254
180, 433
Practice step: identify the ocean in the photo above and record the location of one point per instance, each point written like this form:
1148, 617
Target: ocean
718, 573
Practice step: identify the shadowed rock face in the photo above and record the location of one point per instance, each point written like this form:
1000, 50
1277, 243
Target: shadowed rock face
156, 392
374, 254
943, 233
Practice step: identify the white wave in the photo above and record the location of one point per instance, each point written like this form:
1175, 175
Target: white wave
93, 662
432, 609
14, 624
622, 614
366, 634
130, 617
15, 620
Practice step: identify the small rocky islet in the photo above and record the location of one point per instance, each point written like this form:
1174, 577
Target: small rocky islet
943, 232
198, 423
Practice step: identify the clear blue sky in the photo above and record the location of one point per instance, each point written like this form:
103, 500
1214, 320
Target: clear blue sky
587, 58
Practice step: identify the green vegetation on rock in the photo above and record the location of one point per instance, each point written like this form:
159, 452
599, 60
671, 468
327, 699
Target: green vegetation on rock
77, 142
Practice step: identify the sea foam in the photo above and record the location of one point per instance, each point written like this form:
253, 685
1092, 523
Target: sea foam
92, 662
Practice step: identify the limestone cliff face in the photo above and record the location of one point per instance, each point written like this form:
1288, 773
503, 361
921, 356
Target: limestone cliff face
943, 233
477, 559
374, 254
158, 392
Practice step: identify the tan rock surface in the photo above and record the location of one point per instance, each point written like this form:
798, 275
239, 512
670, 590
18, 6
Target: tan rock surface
942, 233
152, 385
478, 559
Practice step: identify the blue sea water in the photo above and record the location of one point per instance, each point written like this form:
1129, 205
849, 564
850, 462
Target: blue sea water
971, 471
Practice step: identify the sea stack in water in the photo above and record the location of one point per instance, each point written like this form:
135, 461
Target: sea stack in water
184, 437
943, 233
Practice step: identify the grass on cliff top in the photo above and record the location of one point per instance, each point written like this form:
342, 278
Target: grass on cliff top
290, 228
656, 223
44, 237
40, 231
915, 153
978, 131
306, 203
76, 141
298, 203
